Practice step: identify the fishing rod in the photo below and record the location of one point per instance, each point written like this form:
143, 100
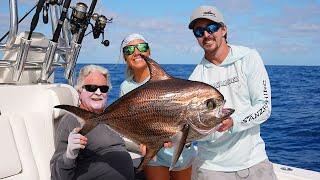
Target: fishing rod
45, 16
35, 18
52, 47
76, 45
25, 44
63, 16
85, 26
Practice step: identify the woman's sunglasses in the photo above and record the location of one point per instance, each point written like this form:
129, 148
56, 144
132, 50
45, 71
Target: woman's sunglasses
211, 28
142, 47
94, 88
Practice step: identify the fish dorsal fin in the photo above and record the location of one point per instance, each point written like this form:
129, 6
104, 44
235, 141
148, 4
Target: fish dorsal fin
156, 72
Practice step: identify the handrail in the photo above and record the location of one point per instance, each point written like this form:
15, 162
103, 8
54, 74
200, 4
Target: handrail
13, 23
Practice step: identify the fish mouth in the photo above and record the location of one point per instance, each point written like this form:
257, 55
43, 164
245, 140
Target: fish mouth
226, 112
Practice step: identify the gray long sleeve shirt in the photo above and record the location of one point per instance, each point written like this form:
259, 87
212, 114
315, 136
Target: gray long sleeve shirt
104, 157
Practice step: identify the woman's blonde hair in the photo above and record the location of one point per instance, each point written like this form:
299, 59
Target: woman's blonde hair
86, 70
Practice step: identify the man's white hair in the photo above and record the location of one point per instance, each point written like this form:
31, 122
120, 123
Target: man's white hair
86, 70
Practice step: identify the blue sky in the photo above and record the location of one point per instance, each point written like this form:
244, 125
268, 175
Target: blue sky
285, 32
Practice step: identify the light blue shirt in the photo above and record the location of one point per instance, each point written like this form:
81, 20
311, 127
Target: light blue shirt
164, 156
244, 83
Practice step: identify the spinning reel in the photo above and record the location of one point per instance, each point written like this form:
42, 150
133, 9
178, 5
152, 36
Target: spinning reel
99, 26
79, 18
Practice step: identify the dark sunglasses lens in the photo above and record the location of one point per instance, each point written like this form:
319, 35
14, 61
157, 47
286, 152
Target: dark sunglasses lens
93, 88
211, 28
104, 89
198, 32
128, 50
142, 47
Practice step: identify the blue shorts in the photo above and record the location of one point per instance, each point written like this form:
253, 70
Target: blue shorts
164, 158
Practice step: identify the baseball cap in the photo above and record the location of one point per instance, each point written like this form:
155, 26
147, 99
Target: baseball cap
206, 12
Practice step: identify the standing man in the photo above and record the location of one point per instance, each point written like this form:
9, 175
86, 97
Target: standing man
236, 150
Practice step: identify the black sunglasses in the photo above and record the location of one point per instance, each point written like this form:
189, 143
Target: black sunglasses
142, 47
211, 28
94, 88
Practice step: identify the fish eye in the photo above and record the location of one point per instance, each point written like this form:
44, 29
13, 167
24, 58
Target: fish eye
211, 104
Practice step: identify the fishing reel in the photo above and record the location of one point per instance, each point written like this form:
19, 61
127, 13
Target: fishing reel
45, 17
99, 26
54, 2
78, 17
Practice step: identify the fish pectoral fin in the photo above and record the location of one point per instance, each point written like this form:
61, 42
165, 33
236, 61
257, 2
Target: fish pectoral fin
85, 115
150, 153
181, 139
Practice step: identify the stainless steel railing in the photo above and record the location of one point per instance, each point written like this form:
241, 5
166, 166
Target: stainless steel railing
60, 52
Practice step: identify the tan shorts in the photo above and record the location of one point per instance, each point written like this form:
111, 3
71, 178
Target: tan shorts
262, 171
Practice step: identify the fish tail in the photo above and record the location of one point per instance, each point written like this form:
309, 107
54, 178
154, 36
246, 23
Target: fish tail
88, 124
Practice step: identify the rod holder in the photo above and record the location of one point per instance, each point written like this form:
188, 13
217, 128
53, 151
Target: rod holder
21, 58
72, 59
48, 60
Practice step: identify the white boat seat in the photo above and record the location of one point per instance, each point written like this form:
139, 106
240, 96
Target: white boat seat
17, 160
28, 111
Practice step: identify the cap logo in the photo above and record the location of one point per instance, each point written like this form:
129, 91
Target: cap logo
209, 13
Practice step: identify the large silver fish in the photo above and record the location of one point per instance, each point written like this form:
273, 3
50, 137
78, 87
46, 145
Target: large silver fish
163, 109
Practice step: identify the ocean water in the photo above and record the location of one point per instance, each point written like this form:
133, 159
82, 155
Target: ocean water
292, 133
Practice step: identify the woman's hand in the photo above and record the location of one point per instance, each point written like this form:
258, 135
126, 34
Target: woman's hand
143, 150
168, 144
